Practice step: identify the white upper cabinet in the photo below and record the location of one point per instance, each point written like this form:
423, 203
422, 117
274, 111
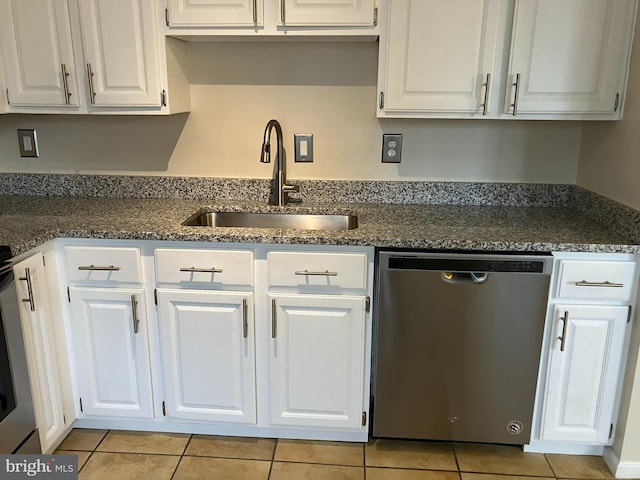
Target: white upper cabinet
223, 13
37, 52
440, 56
120, 41
90, 56
568, 56
321, 12
272, 17
525, 59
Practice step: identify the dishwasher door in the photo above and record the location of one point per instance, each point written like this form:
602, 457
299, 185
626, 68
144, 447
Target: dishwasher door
458, 341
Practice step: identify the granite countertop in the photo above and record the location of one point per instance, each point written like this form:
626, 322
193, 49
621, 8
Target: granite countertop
29, 221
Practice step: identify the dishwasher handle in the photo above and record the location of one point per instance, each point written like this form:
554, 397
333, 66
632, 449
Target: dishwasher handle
464, 277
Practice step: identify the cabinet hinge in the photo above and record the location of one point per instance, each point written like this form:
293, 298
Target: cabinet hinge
164, 409
163, 98
381, 100
364, 419
616, 103
375, 16
611, 431
166, 16
155, 296
81, 409
629, 314
6, 91
367, 304
69, 294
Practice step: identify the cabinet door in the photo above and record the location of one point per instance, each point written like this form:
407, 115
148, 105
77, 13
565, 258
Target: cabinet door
317, 360
120, 40
37, 52
208, 357
583, 372
570, 56
224, 13
111, 351
439, 55
40, 350
323, 13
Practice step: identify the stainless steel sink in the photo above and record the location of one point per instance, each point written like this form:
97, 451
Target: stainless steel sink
302, 221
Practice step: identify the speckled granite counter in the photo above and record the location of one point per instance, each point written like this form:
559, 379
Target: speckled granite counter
28, 221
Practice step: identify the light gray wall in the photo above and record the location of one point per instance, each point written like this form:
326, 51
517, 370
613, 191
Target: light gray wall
324, 88
609, 154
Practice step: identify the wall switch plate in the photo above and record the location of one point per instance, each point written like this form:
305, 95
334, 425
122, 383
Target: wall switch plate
303, 147
391, 147
28, 143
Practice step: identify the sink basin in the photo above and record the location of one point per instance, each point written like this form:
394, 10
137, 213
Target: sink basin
302, 221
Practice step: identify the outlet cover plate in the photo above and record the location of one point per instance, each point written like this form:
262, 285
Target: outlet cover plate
303, 143
391, 147
28, 143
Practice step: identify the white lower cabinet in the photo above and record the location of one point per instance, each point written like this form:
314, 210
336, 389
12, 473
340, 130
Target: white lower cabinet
208, 355
317, 360
583, 373
111, 352
586, 340
44, 361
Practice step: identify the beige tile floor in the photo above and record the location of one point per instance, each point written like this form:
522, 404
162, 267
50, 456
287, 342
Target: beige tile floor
122, 455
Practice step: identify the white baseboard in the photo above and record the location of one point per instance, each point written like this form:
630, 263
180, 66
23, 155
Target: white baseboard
618, 468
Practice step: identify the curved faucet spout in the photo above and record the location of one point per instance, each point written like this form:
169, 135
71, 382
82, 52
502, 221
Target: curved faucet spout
280, 187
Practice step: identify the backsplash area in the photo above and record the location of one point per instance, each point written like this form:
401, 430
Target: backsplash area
331, 191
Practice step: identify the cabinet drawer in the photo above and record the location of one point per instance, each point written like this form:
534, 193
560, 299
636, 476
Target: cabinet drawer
103, 264
205, 267
294, 269
597, 280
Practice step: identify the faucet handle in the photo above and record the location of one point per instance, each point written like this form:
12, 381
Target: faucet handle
288, 188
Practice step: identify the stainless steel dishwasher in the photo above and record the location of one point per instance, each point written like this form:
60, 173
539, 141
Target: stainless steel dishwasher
458, 339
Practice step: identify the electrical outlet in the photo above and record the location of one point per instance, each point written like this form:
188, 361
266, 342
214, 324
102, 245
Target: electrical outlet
391, 147
28, 143
303, 143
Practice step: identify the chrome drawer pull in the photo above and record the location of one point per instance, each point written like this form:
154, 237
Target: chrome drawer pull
607, 283
97, 268
326, 273
563, 338
134, 309
245, 320
516, 88
201, 270
92, 91
274, 321
27, 278
487, 86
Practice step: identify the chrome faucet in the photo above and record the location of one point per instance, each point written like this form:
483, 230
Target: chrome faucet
281, 188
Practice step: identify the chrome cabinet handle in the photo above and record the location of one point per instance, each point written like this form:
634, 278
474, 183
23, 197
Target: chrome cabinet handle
607, 283
65, 84
134, 309
98, 268
326, 273
485, 104
255, 12
27, 278
274, 320
282, 11
516, 93
245, 320
563, 338
92, 91
201, 270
